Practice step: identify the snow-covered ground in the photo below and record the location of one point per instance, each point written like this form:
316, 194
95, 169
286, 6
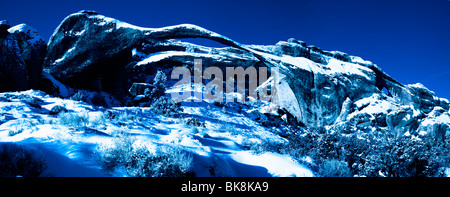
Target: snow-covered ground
68, 142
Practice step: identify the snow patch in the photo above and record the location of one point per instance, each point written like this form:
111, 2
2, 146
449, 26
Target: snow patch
33, 33
276, 164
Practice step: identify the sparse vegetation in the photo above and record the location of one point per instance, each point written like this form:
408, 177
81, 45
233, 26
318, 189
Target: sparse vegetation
334, 168
166, 107
140, 162
28, 99
263, 146
76, 120
159, 83
367, 155
194, 122
22, 125
15, 131
90, 97
79, 96
16, 160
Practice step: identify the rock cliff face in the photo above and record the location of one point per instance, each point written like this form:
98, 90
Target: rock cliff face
327, 108
319, 88
33, 49
91, 51
13, 73
22, 52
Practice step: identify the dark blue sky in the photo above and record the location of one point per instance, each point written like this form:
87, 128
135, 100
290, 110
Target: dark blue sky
410, 40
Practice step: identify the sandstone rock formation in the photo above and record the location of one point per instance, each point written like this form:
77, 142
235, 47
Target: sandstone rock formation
317, 87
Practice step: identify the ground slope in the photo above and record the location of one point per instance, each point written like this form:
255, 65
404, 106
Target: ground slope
69, 142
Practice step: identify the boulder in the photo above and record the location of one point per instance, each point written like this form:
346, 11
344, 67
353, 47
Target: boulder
293, 40
436, 123
139, 88
402, 120
422, 98
345, 111
55, 110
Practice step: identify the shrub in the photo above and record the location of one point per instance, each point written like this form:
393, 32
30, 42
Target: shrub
166, 162
98, 120
21, 125
300, 144
264, 146
334, 168
159, 84
166, 107
405, 157
16, 160
368, 154
16, 131
140, 162
33, 101
74, 119
28, 99
194, 122
118, 155
92, 98
79, 96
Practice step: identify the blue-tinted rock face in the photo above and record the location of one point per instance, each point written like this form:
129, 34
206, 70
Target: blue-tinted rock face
91, 51
33, 49
22, 53
13, 73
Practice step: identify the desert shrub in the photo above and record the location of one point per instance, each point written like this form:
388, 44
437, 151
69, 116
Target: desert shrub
329, 146
159, 84
76, 120
166, 107
21, 125
28, 99
92, 98
79, 96
300, 144
118, 154
334, 168
33, 101
353, 150
140, 162
264, 146
218, 104
123, 117
405, 157
16, 160
17, 130
98, 120
165, 162
369, 154
333, 153
111, 115
194, 122
267, 119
